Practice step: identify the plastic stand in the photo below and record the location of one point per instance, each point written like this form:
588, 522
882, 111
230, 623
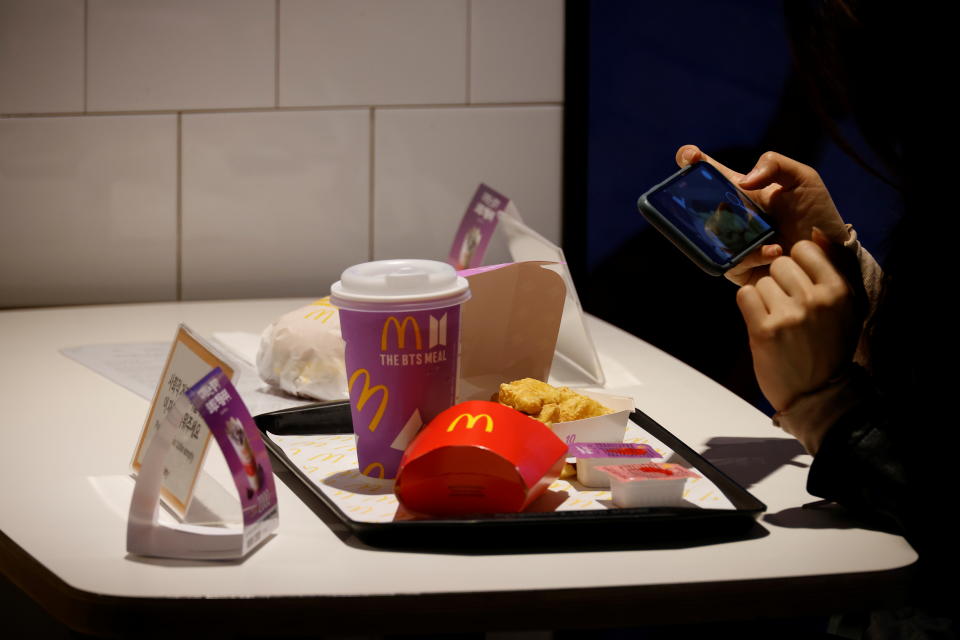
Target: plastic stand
147, 536
576, 362
226, 416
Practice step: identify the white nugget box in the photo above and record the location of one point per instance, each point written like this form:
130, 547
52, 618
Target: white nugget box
608, 428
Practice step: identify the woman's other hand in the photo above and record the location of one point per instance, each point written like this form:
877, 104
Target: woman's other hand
801, 322
794, 196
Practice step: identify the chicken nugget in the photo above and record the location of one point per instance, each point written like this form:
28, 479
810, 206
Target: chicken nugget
528, 395
549, 413
574, 406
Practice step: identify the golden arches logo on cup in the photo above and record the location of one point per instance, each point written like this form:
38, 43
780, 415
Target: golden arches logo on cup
470, 421
374, 470
367, 392
400, 328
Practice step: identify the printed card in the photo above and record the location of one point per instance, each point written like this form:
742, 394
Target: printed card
228, 419
477, 227
189, 361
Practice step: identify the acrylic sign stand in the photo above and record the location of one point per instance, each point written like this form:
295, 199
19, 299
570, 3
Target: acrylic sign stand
576, 352
147, 536
576, 362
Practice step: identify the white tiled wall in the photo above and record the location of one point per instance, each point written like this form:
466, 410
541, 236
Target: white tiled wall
385, 52
271, 199
191, 149
180, 54
517, 150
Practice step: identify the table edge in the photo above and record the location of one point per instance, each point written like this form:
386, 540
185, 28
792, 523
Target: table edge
621, 606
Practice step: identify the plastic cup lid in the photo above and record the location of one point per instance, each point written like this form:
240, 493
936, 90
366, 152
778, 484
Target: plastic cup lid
402, 280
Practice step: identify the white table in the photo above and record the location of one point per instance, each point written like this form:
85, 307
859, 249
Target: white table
66, 430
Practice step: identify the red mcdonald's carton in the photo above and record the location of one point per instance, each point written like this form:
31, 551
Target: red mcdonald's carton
479, 457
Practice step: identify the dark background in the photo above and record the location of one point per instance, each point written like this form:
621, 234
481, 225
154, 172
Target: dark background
645, 78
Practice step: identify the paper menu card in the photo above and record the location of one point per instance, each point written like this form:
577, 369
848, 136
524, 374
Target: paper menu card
138, 365
189, 359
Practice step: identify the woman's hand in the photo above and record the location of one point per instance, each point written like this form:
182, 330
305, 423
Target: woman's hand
794, 196
801, 323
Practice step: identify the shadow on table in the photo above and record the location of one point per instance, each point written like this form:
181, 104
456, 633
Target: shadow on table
823, 514
750, 460
544, 542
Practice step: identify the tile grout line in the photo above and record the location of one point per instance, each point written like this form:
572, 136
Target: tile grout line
469, 61
179, 212
276, 54
345, 107
371, 187
86, 50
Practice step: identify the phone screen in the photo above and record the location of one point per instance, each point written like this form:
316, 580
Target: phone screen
712, 213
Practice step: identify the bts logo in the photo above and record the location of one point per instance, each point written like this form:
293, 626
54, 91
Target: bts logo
437, 335
471, 421
438, 331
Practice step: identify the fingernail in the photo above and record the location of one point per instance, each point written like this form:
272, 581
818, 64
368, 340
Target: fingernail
688, 156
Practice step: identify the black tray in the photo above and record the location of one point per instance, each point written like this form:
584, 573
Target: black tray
656, 526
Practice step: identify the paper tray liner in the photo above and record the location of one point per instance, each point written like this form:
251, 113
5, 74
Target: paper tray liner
315, 444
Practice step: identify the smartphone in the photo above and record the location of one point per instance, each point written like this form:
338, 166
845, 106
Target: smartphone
715, 224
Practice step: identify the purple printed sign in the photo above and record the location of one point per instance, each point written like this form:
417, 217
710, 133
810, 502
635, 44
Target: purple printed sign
476, 228
402, 370
227, 417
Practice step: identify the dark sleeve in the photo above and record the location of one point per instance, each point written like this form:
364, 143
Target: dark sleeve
862, 463
893, 464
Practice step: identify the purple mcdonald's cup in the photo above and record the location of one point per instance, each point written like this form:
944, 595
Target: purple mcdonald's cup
400, 320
